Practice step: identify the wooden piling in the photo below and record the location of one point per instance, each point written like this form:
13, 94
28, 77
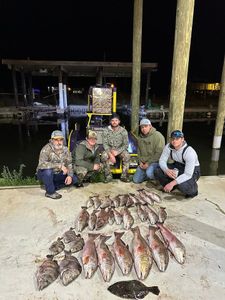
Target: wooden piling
184, 20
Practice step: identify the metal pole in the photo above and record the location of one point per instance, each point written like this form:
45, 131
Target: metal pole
220, 113
61, 101
148, 87
24, 88
15, 86
136, 67
182, 42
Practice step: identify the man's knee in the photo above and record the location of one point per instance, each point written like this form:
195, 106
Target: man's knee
44, 173
158, 173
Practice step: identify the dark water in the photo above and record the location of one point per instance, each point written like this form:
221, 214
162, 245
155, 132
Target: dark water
21, 144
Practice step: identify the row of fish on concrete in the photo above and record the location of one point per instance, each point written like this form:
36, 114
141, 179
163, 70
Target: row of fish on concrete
96, 253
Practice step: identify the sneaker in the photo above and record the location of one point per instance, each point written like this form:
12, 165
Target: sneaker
125, 179
53, 196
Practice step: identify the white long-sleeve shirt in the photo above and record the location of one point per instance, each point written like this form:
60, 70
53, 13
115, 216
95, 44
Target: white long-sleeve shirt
190, 160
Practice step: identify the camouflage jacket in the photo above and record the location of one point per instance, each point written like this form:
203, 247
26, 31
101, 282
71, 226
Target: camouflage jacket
86, 157
116, 140
50, 159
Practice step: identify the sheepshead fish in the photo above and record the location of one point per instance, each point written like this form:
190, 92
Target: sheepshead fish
152, 215
89, 256
132, 289
102, 219
142, 214
77, 244
117, 216
159, 251
155, 197
128, 220
57, 247
69, 235
123, 199
142, 254
134, 198
90, 202
92, 220
47, 272
162, 214
111, 218
97, 201
174, 244
123, 256
130, 201
145, 198
140, 199
105, 259
82, 220
106, 202
69, 268
116, 201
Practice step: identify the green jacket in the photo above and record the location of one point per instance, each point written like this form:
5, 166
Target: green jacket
84, 156
150, 146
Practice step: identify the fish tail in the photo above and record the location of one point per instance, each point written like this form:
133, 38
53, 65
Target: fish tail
93, 235
154, 290
118, 234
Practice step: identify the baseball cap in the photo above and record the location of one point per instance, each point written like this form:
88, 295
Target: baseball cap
92, 134
115, 116
145, 122
57, 134
177, 134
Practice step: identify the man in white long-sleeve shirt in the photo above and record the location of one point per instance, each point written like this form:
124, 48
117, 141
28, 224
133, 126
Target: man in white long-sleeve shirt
184, 172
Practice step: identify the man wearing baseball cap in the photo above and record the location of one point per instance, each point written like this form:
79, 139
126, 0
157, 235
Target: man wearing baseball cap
86, 158
55, 166
184, 172
150, 146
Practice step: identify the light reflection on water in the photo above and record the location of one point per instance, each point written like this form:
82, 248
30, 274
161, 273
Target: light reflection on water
22, 143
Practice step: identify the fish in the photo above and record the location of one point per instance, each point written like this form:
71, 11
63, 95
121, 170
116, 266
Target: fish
155, 197
89, 256
96, 200
128, 220
122, 254
152, 215
105, 258
69, 268
116, 201
134, 198
117, 216
174, 244
111, 217
47, 272
82, 220
57, 247
106, 202
130, 201
142, 254
140, 199
123, 199
92, 220
102, 219
77, 244
159, 251
162, 214
142, 214
132, 289
145, 197
90, 202
69, 235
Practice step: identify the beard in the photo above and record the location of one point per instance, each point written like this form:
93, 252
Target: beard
58, 147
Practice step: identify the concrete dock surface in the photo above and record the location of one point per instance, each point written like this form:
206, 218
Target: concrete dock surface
30, 222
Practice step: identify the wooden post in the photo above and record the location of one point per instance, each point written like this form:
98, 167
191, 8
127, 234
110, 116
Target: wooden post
136, 67
99, 76
148, 87
15, 86
220, 113
30, 89
184, 20
24, 87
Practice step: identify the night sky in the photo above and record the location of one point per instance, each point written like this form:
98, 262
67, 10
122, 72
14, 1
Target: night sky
102, 30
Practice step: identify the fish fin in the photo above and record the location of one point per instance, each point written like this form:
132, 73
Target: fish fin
154, 290
85, 260
118, 234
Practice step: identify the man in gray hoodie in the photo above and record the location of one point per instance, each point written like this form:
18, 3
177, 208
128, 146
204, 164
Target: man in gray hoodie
150, 146
184, 172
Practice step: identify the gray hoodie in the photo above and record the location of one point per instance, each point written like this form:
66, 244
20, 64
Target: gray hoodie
190, 158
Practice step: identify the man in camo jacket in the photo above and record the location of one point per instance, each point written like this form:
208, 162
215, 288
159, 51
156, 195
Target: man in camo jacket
55, 166
115, 143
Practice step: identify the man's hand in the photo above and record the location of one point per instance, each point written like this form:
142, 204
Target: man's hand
144, 165
167, 188
96, 167
112, 158
68, 180
114, 152
171, 173
64, 169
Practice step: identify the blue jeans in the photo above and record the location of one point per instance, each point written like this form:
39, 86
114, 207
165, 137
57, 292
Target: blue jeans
53, 181
141, 175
